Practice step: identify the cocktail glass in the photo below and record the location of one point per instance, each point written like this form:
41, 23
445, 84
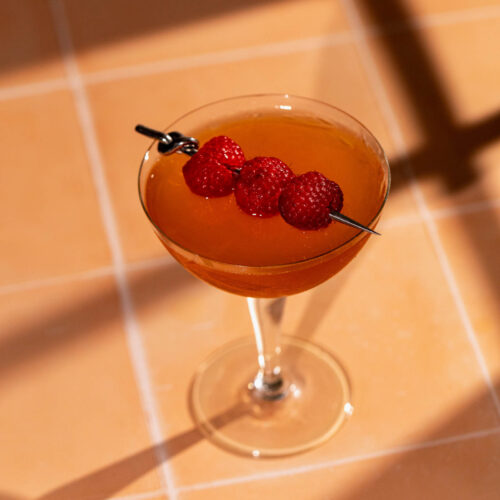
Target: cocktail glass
295, 394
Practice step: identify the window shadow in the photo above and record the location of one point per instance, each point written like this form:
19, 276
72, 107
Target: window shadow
104, 23
23, 343
105, 482
448, 147
452, 470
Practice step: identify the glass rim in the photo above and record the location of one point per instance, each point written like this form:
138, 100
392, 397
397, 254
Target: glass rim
270, 267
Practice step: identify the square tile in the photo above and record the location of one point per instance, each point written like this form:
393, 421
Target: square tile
30, 50
69, 403
155, 30
330, 74
441, 86
411, 367
471, 241
51, 223
458, 471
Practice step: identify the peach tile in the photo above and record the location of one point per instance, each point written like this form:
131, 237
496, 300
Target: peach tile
390, 319
458, 471
109, 34
69, 403
471, 241
30, 51
51, 223
331, 74
441, 85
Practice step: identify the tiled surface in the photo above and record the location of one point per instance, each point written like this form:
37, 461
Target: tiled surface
447, 145
479, 289
30, 52
155, 30
94, 385
466, 470
70, 406
51, 224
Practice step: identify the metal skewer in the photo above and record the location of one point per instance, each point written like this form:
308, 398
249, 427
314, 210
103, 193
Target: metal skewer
172, 142
175, 142
350, 222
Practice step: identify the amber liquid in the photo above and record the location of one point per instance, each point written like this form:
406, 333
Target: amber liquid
266, 257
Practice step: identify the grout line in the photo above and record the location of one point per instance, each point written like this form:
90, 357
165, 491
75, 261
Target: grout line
245, 53
399, 221
400, 144
32, 89
469, 208
341, 461
162, 261
152, 263
423, 22
220, 57
454, 17
134, 340
140, 496
56, 280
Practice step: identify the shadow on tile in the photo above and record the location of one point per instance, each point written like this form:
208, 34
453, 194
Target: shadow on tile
103, 483
106, 23
463, 469
8, 496
25, 342
319, 303
448, 146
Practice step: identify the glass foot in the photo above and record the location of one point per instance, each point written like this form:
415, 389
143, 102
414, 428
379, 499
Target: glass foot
230, 413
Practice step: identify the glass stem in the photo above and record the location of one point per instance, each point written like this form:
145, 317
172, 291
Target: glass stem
266, 315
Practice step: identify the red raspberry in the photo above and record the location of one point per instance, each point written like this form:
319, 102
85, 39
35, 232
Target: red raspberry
307, 200
210, 171
260, 184
225, 151
208, 177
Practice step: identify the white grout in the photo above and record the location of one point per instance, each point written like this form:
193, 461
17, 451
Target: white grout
136, 348
153, 263
56, 280
468, 208
423, 22
397, 450
401, 149
454, 17
32, 89
141, 496
399, 221
220, 57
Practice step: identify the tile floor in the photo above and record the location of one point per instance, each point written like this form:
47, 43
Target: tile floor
100, 331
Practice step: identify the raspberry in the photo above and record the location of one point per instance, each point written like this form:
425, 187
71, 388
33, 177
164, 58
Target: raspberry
210, 171
225, 151
260, 184
208, 177
307, 200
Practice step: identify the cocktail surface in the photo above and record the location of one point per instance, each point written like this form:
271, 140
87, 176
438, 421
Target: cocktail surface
216, 228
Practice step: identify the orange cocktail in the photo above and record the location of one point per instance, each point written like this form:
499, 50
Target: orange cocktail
293, 395
267, 257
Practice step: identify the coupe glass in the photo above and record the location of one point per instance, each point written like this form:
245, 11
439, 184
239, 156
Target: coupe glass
268, 395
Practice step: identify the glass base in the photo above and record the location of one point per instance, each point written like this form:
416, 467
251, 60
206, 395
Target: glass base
230, 413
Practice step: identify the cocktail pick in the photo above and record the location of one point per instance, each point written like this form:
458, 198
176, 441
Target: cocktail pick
175, 142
